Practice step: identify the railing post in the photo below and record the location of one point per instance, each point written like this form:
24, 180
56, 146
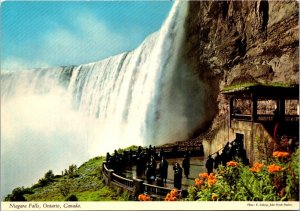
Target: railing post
109, 179
138, 186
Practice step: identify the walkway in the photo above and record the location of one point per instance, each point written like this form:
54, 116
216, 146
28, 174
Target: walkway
197, 166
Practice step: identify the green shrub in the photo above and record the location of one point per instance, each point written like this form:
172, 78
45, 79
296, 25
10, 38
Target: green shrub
64, 188
277, 180
18, 194
72, 198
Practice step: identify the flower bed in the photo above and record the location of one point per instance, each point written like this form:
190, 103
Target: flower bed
274, 181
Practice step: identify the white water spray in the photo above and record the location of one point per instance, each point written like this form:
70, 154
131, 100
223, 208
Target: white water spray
55, 117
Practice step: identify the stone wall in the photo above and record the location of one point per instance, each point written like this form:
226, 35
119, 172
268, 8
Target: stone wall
257, 139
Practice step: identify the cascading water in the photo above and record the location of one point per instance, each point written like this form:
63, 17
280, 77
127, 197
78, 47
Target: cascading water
54, 117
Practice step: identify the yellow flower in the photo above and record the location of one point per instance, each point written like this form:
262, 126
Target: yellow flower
214, 197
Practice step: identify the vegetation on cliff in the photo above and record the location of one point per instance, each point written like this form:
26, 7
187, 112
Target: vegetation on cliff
82, 184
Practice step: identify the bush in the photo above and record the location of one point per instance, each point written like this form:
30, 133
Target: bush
278, 180
65, 188
18, 194
72, 198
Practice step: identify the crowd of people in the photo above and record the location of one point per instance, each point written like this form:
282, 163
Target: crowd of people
231, 151
151, 164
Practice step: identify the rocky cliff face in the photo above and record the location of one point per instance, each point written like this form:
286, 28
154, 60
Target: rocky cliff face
232, 42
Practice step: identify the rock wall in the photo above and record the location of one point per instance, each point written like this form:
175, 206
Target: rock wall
232, 42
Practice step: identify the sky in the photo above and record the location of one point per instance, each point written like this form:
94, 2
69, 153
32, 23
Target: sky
59, 33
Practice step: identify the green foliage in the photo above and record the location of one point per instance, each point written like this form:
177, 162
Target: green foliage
85, 185
246, 85
18, 194
241, 183
292, 188
49, 175
239, 86
72, 171
64, 188
133, 148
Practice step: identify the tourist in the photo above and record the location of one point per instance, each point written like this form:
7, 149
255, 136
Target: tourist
177, 176
148, 173
151, 171
186, 165
139, 165
107, 156
163, 169
159, 181
161, 153
209, 164
187, 153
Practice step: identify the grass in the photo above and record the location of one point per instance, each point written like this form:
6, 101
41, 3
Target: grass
246, 85
86, 185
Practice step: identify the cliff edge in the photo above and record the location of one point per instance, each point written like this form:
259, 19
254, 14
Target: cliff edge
235, 42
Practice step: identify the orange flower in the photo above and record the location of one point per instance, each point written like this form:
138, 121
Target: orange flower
214, 197
174, 192
232, 163
278, 154
273, 168
144, 197
212, 182
211, 176
168, 197
172, 196
199, 182
256, 167
203, 175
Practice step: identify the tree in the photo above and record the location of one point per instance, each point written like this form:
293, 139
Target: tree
49, 175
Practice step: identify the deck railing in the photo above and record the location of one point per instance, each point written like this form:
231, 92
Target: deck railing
122, 181
156, 190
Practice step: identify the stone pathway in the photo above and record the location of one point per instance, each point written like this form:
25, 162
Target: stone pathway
197, 166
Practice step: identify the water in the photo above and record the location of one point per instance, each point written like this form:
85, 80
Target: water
52, 118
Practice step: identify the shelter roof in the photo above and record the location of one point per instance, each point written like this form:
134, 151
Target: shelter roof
263, 91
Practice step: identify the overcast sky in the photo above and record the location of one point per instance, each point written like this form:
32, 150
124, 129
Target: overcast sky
45, 34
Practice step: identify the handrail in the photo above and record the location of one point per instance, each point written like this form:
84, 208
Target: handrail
158, 190
105, 168
222, 147
122, 180
128, 184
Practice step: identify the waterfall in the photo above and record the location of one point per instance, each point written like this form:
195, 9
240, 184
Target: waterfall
54, 117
